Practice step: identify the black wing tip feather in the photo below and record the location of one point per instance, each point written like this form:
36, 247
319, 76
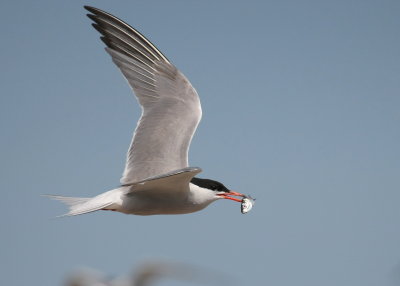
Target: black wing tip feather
97, 28
96, 15
92, 17
91, 9
112, 46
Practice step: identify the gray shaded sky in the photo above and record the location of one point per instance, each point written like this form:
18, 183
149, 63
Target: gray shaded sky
301, 104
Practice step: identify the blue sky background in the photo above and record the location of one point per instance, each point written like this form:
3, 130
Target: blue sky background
301, 109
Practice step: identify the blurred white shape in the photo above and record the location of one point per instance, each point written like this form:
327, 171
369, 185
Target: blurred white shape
86, 277
149, 274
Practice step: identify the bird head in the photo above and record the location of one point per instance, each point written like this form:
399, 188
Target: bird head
218, 189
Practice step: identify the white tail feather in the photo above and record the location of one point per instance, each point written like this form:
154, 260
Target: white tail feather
78, 206
69, 201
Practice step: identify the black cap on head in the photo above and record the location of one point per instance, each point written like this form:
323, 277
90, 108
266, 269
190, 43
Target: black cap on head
210, 184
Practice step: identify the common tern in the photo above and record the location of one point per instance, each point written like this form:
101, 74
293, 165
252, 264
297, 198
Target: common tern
157, 178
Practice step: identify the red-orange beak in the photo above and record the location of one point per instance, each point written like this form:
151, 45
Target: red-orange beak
228, 196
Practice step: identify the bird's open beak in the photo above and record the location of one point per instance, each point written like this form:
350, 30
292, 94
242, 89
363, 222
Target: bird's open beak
229, 195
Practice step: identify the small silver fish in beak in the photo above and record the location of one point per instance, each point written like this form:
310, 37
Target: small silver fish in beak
247, 204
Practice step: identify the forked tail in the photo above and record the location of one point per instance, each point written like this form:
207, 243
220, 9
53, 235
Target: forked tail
78, 206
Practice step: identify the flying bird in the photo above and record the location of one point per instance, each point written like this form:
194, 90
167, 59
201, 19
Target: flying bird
157, 178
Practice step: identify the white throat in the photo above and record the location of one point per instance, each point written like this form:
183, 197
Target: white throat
201, 196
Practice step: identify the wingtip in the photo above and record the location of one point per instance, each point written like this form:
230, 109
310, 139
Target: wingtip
97, 28
90, 8
96, 11
92, 17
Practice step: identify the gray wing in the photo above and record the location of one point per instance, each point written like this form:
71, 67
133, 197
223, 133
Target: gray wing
171, 182
171, 108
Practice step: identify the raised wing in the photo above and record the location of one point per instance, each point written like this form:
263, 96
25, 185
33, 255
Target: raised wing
171, 108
